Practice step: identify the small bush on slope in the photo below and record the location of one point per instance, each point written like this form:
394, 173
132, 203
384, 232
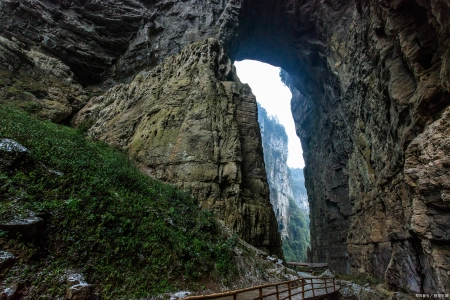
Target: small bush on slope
130, 235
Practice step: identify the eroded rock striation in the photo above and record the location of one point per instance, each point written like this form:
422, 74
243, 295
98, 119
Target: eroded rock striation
104, 39
371, 90
374, 97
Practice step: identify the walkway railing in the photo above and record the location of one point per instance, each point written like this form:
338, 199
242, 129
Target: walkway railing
310, 266
306, 288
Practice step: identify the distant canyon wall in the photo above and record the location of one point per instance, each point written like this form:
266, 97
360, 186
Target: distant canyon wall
287, 193
298, 188
275, 146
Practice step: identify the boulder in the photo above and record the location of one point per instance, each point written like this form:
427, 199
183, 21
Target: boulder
11, 146
77, 287
7, 259
28, 227
11, 153
11, 292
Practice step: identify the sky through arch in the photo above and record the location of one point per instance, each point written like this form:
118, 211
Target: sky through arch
275, 97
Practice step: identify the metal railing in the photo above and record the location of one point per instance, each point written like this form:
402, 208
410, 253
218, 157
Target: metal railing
280, 291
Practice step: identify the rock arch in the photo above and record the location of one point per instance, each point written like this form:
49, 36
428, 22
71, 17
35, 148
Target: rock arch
371, 94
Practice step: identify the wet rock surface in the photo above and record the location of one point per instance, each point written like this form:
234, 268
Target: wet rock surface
77, 288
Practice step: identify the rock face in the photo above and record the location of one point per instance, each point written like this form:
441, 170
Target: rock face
370, 82
370, 111
38, 83
188, 123
101, 39
275, 145
293, 223
297, 180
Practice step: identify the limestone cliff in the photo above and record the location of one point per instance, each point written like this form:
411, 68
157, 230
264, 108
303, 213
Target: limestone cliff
374, 97
297, 180
370, 82
293, 222
38, 83
275, 145
189, 123
51, 49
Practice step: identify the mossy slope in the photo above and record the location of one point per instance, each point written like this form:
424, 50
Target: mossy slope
129, 235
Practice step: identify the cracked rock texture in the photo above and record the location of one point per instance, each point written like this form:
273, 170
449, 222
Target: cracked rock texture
104, 39
38, 83
370, 106
378, 198
189, 123
371, 90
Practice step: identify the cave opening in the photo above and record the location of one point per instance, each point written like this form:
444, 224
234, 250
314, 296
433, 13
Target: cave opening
370, 85
282, 155
293, 37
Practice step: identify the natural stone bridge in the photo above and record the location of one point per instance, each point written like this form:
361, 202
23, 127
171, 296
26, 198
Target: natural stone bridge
371, 84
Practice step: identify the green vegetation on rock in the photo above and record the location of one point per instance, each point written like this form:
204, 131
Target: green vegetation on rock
298, 181
130, 236
296, 244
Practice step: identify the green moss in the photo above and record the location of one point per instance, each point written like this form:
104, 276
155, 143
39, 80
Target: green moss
131, 236
13, 90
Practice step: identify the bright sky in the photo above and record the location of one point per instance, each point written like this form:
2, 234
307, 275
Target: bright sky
275, 97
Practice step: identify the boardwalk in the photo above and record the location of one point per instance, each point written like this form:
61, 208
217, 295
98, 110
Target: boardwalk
302, 288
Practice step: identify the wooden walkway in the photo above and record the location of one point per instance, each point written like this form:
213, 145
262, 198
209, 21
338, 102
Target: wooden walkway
301, 288
310, 266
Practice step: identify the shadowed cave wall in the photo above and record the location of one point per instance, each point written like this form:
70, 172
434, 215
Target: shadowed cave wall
371, 94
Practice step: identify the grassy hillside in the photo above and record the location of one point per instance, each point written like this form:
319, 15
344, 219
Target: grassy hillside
129, 235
